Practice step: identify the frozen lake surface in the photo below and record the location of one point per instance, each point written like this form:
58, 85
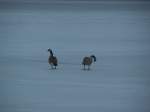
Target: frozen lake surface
119, 36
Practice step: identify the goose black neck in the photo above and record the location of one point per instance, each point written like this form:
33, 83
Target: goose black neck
94, 58
51, 53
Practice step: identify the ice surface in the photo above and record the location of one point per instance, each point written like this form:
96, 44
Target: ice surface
118, 82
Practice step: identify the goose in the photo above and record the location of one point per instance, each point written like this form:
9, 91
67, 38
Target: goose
52, 60
88, 61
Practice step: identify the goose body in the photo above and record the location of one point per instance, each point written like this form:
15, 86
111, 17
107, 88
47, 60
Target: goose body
87, 61
52, 60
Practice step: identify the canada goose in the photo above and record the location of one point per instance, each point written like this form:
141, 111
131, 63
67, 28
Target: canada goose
52, 60
88, 61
